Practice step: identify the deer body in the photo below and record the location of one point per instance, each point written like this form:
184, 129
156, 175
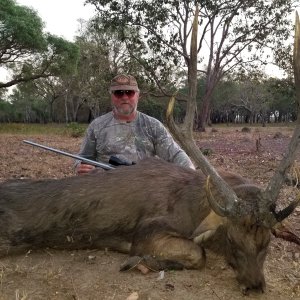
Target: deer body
152, 209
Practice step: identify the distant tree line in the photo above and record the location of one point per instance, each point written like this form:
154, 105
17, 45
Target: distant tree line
55, 80
266, 101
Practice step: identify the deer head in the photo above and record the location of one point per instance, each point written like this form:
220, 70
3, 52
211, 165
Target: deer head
241, 222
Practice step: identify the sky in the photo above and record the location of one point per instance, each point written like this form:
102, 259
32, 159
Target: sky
60, 16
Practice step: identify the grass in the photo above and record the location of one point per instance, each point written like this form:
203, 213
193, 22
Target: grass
71, 129
77, 130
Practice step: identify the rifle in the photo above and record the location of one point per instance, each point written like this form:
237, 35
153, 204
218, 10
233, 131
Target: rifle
102, 165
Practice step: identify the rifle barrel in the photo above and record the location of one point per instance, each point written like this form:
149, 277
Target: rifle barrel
85, 160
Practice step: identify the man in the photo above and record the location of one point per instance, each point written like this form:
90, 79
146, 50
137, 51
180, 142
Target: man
127, 133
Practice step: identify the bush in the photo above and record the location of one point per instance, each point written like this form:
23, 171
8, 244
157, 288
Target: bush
75, 129
246, 129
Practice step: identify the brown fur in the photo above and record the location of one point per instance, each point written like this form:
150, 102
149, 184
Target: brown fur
153, 208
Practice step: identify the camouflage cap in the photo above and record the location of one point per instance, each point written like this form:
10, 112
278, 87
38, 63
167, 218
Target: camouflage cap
124, 82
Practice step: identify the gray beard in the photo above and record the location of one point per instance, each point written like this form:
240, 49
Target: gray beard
124, 112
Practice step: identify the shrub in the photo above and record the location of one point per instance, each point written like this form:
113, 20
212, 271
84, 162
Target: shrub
246, 129
75, 129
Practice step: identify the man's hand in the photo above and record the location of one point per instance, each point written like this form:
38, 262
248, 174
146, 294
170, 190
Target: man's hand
82, 169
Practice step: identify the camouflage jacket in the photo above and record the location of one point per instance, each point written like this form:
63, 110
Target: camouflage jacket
131, 142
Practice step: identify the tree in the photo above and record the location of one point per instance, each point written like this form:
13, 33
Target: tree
6, 111
233, 34
49, 89
98, 54
222, 99
253, 99
26, 50
283, 98
248, 28
102, 56
27, 107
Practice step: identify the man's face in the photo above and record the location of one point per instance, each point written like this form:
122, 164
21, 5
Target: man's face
125, 102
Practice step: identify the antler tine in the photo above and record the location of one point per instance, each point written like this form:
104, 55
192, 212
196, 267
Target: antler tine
215, 206
274, 186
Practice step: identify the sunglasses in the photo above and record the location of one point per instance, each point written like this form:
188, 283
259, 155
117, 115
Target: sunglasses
121, 93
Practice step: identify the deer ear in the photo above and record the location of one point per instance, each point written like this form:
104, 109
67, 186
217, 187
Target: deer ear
208, 227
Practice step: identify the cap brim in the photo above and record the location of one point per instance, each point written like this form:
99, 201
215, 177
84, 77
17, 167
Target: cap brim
124, 87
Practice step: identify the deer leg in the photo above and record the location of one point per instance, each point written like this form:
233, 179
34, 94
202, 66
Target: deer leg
164, 251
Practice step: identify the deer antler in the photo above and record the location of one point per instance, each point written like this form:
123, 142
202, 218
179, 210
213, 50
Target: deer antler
216, 207
266, 214
231, 202
277, 180
232, 205
272, 191
184, 134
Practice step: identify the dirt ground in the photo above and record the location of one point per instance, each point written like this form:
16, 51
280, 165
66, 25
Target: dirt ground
94, 274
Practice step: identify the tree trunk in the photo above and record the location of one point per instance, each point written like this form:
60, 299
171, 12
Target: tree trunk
184, 133
204, 113
66, 110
